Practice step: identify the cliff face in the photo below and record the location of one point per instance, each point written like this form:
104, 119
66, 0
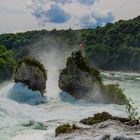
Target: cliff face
29, 73
78, 79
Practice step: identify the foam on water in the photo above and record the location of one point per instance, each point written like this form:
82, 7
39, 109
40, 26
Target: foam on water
19, 106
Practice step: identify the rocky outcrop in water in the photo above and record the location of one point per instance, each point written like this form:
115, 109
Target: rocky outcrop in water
101, 117
32, 73
78, 79
84, 82
107, 130
103, 126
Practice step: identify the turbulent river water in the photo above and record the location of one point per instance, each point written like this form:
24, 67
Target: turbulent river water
24, 114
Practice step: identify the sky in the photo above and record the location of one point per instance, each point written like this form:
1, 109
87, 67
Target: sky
25, 15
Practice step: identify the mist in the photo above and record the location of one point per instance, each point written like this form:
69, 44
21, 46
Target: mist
53, 55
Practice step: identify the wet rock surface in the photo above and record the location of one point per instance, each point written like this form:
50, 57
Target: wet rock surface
32, 73
78, 79
108, 130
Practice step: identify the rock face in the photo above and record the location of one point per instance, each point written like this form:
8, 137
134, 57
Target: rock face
32, 73
78, 79
84, 82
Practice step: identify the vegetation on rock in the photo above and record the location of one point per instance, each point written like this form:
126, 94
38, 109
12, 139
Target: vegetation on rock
33, 62
97, 118
32, 73
65, 128
112, 93
104, 116
131, 110
83, 65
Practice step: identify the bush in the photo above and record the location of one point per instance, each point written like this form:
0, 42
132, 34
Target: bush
65, 128
132, 112
113, 94
63, 71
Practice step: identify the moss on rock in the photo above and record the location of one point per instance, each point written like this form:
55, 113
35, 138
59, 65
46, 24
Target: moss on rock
65, 128
104, 116
97, 118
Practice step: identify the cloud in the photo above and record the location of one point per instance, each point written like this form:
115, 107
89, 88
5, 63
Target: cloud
87, 2
94, 19
11, 10
30, 14
62, 1
53, 15
73, 12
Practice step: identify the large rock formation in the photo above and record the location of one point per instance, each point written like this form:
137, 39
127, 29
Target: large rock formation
84, 82
32, 73
78, 79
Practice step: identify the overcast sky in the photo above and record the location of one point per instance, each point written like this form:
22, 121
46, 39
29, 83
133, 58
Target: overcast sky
23, 15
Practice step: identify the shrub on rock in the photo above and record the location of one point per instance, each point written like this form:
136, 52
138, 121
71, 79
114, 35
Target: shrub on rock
112, 93
65, 128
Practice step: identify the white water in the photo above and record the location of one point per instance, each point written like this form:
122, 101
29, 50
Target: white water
19, 106
21, 109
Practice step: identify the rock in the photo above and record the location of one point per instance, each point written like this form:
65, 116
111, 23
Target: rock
84, 82
101, 117
105, 137
122, 138
114, 130
32, 73
78, 79
97, 118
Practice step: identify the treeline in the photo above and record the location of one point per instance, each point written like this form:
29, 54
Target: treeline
113, 47
7, 63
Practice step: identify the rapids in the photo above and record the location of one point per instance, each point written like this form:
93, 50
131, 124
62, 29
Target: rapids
25, 115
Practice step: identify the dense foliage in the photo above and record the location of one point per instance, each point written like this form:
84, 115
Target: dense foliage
7, 63
115, 46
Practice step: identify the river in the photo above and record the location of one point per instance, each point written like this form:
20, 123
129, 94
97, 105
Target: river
25, 115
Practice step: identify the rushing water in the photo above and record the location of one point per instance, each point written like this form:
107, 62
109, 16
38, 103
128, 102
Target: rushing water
25, 115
